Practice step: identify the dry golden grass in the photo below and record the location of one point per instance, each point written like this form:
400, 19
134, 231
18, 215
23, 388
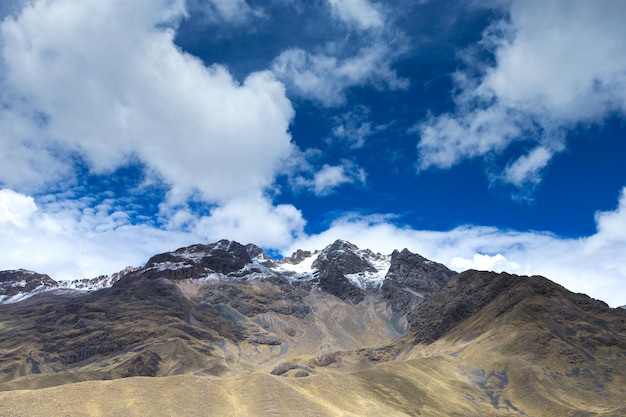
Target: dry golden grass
456, 384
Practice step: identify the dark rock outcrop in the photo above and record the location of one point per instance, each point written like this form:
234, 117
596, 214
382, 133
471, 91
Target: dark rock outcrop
412, 279
195, 261
298, 256
343, 257
333, 281
333, 263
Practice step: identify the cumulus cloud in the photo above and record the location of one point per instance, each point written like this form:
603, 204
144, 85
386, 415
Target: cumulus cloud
611, 227
593, 265
15, 208
105, 80
329, 178
485, 263
325, 76
527, 168
556, 66
360, 12
73, 239
253, 220
362, 59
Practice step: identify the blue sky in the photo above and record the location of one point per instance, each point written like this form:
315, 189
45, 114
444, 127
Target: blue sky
481, 134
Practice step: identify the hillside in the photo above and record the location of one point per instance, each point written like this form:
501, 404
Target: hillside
224, 329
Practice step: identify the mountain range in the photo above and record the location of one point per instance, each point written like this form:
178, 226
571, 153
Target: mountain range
224, 329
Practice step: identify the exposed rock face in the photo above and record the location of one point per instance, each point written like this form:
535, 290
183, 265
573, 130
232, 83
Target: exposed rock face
17, 282
97, 283
298, 256
343, 257
334, 263
270, 295
341, 269
412, 279
223, 257
145, 364
333, 281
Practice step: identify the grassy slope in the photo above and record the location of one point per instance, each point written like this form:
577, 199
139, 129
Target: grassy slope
428, 387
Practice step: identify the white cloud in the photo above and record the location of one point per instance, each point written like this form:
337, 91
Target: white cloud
325, 76
70, 239
329, 178
105, 79
447, 139
353, 127
230, 11
484, 263
253, 220
611, 227
15, 208
360, 12
556, 65
528, 167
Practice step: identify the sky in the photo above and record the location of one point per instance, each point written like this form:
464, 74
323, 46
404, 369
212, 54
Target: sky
480, 134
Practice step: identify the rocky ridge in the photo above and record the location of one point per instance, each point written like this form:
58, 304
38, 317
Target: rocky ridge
16, 285
341, 269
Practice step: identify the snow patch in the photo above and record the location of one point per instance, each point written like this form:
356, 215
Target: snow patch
366, 279
173, 266
302, 271
5, 299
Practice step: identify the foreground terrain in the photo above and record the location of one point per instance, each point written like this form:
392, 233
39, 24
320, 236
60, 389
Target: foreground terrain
225, 330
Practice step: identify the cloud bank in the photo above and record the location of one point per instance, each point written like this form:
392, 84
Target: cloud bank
592, 265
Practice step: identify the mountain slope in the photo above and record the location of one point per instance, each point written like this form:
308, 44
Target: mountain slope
218, 309
338, 332
530, 344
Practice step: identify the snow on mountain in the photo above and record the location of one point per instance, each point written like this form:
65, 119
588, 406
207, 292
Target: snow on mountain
369, 279
20, 284
98, 283
339, 267
298, 267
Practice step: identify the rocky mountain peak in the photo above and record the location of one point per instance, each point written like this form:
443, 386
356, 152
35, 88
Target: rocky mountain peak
222, 257
412, 279
346, 257
16, 284
297, 257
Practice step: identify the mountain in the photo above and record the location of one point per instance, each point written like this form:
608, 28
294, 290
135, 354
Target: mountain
228, 330
19, 284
